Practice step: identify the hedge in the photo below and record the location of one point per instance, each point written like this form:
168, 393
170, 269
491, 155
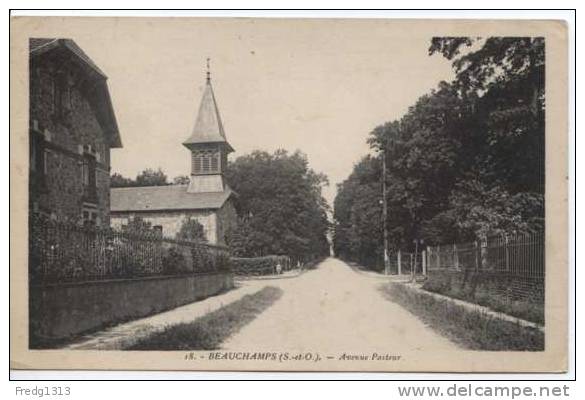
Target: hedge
259, 265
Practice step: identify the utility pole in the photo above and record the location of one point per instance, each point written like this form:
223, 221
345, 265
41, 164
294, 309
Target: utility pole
385, 214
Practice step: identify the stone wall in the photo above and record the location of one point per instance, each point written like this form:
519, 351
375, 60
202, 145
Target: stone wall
59, 312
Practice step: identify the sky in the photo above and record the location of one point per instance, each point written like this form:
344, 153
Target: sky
320, 86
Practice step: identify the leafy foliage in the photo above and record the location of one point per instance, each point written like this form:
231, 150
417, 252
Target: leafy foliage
358, 232
181, 180
257, 266
466, 160
61, 251
191, 231
138, 225
279, 205
148, 177
117, 180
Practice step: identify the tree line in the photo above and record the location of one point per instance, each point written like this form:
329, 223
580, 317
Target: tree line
147, 177
278, 199
466, 161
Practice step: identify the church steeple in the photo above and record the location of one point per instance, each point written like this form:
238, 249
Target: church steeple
208, 127
208, 144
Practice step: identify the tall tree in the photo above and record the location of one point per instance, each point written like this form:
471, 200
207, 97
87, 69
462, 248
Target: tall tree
357, 214
151, 177
507, 77
279, 204
466, 160
148, 177
117, 180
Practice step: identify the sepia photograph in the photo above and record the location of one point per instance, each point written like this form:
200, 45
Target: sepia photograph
258, 194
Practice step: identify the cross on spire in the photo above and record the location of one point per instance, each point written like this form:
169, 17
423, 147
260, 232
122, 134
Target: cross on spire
208, 71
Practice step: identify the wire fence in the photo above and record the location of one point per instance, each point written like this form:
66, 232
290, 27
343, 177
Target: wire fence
62, 252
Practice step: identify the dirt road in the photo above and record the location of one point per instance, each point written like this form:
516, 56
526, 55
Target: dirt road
336, 309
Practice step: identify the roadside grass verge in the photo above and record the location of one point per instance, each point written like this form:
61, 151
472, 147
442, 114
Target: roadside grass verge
209, 331
471, 329
483, 292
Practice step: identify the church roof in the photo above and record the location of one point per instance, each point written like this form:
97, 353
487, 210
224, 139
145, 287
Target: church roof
208, 126
161, 198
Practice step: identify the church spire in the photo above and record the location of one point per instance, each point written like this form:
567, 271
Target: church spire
208, 126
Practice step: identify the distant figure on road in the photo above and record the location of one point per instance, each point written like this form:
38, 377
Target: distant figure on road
278, 269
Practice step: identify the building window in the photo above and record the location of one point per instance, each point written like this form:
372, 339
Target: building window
89, 177
85, 172
158, 230
89, 217
89, 172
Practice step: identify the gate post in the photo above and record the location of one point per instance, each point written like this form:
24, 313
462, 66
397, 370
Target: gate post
399, 259
412, 266
424, 262
483, 253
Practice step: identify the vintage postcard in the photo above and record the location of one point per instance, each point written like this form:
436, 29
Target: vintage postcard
259, 194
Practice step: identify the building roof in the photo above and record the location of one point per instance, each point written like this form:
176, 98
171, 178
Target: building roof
161, 198
104, 110
42, 45
208, 126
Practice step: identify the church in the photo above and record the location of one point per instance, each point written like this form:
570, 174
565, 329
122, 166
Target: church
207, 198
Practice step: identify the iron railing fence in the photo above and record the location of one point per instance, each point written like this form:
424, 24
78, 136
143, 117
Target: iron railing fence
63, 252
520, 255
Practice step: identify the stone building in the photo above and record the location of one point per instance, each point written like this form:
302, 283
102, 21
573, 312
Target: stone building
207, 198
72, 127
